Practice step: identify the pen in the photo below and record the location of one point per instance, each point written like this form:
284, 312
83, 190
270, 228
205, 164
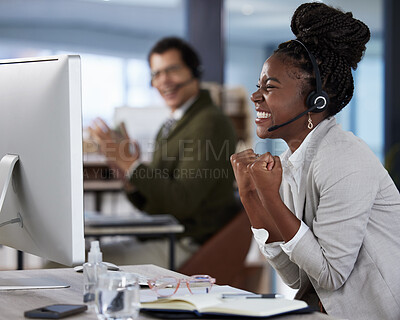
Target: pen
265, 296
251, 295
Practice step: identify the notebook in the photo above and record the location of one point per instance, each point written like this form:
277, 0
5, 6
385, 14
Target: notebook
205, 305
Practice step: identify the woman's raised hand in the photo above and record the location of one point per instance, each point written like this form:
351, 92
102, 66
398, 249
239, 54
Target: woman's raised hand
266, 174
240, 164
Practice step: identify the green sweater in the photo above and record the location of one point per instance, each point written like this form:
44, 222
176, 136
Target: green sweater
190, 176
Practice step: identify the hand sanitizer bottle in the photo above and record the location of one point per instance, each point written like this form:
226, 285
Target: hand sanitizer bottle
91, 271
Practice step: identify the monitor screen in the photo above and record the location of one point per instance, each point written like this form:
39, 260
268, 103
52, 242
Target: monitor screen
41, 174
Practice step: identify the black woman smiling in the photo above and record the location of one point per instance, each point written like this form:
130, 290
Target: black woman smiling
325, 213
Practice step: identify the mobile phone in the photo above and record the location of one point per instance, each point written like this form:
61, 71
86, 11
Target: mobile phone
55, 311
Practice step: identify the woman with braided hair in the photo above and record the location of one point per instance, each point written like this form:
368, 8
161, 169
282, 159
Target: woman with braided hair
325, 213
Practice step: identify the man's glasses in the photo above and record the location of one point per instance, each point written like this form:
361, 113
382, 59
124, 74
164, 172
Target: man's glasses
167, 286
169, 71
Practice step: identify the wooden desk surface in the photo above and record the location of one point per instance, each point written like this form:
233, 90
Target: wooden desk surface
14, 303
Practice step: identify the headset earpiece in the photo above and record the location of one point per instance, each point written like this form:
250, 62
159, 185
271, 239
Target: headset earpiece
320, 100
317, 100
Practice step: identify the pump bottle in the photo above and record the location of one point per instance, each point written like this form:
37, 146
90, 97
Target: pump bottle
91, 271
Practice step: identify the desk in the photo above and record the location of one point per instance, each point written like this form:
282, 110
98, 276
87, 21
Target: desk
99, 178
14, 303
98, 187
168, 231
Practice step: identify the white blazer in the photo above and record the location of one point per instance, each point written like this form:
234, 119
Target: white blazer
350, 255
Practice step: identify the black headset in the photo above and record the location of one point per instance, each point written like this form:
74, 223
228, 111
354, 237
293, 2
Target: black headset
317, 100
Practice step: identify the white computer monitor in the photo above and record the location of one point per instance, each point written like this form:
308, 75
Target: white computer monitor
41, 174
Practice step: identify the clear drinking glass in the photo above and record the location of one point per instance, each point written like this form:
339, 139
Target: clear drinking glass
117, 296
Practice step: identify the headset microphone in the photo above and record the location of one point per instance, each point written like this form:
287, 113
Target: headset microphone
318, 104
317, 100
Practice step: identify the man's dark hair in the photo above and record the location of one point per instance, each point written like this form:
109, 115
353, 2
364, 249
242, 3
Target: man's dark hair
189, 56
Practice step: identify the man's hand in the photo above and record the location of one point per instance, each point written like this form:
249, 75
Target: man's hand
121, 152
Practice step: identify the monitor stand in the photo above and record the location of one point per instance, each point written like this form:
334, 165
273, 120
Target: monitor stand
8, 198
9, 203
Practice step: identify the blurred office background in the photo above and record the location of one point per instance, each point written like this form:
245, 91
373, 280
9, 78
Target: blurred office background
113, 38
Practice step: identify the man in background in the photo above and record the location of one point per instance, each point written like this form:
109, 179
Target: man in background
190, 176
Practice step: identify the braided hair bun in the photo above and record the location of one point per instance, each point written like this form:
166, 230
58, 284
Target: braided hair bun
337, 40
319, 24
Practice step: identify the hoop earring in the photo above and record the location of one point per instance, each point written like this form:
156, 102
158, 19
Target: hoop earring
310, 124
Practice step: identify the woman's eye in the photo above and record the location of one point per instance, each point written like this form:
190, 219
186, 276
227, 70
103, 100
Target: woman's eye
266, 87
